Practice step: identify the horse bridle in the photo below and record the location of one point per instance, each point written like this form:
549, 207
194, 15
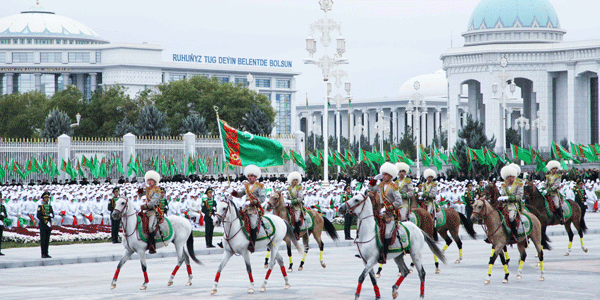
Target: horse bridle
124, 220
351, 208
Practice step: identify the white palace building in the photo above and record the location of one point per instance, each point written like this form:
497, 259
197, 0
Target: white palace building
43, 51
554, 95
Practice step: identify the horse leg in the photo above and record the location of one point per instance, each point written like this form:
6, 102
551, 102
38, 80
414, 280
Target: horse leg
379, 271
143, 263
226, 256
189, 268
580, 232
361, 278
448, 240
271, 264
522, 260
123, 260
305, 242
282, 267
267, 258
506, 256
456, 238
246, 256
540, 253
374, 282
505, 266
570, 234
416, 257
321, 246
403, 273
493, 257
288, 244
180, 259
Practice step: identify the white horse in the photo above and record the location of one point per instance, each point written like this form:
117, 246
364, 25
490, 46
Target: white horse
366, 241
182, 234
236, 242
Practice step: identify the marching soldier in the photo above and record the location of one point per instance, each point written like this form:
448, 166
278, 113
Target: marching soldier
511, 198
469, 198
114, 224
429, 193
255, 193
479, 191
3, 215
152, 206
553, 181
296, 197
208, 209
387, 192
45, 214
405, 189
580, 197
348, 217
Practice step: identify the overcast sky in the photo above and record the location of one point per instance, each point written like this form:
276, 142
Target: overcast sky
387, 41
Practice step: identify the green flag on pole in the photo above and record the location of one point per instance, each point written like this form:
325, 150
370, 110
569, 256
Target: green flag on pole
242, 148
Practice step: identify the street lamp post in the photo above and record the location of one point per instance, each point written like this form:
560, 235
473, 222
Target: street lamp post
523, 123
412, 109
326, 64
382, 127
538, 124
503, 78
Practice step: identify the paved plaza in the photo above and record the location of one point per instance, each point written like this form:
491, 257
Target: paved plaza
85, 271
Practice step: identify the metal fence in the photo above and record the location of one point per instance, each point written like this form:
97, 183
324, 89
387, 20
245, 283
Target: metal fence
147, 149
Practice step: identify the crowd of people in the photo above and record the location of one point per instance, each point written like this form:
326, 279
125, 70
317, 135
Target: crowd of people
78, 203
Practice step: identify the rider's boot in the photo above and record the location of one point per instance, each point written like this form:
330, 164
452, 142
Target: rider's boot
384, 251
252, 240
151, 243
513, 229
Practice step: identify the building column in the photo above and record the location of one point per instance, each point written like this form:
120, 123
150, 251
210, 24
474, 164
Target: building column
394, 125
94, 82
352, 117
570, 103
80, 82
38, 81
65, 77
9, 83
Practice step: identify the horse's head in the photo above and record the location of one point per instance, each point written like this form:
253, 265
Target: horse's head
355, 205
275, 199
479, 210
223, 209
120, 209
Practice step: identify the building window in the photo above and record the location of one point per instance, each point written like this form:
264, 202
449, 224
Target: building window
79, 57
98, 57
50, 57
223, 79
176, 77
283, 119
22, 57
263, 83
283, 84
268, 95
2, 57
242, 81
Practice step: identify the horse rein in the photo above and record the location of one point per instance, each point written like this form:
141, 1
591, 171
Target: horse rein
222, 219
482, 215
124, 221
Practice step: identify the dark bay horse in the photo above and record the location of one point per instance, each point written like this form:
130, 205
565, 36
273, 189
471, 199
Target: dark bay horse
536, 204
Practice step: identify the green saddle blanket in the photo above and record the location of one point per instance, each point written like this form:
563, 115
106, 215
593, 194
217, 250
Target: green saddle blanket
309, 222
440, 218
402, 242
267, 229
566, 207
523, 229
166, 228
414, 218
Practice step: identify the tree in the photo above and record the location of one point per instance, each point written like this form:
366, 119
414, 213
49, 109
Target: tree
123, 128
57, 124
472, 135
107, 107
200, 94
512, 137
408, 143
152, 122
440, 138
194, 123
22, 115
257, 122
565, 144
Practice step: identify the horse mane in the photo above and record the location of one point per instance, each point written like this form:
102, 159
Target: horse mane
237, 213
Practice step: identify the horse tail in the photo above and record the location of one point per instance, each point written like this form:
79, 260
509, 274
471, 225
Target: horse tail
433, 247
468, 226
190, 247
290, 235
545, 241
330, 229
582, 225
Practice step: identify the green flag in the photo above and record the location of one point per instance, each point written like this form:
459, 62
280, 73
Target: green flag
2, 174
585, 151
119, 165
79, 169
561, 154
452, 159
374, 157
297, 158
242, 148
131, 166
286, 157
424, 157
55, 171
521, 154
540, 164
315, 159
